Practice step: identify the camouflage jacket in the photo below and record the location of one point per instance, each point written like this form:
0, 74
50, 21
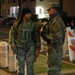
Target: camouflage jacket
55, 30
26, 33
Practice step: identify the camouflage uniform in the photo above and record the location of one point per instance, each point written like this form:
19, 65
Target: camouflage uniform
26, 41
55, 33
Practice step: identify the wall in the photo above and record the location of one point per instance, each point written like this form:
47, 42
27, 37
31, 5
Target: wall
44, 4
69, 7
54, 1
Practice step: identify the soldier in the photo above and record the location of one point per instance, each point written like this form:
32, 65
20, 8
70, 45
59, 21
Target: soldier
54, 34
25, 41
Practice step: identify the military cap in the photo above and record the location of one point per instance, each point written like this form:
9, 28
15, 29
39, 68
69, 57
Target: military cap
53, 6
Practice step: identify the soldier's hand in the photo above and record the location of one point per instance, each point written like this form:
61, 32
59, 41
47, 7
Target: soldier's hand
37, 53
12, 46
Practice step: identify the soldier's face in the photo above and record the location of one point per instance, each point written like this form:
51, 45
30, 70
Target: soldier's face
51, 11
27, 16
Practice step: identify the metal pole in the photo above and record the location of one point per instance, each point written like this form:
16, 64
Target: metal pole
28, 3
0, 7
19, 4
61, 5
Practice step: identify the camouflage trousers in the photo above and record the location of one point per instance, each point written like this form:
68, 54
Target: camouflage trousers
29, 57
54, 59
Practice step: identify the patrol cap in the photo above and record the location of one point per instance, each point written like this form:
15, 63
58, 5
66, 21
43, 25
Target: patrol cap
53, 6
25, 11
